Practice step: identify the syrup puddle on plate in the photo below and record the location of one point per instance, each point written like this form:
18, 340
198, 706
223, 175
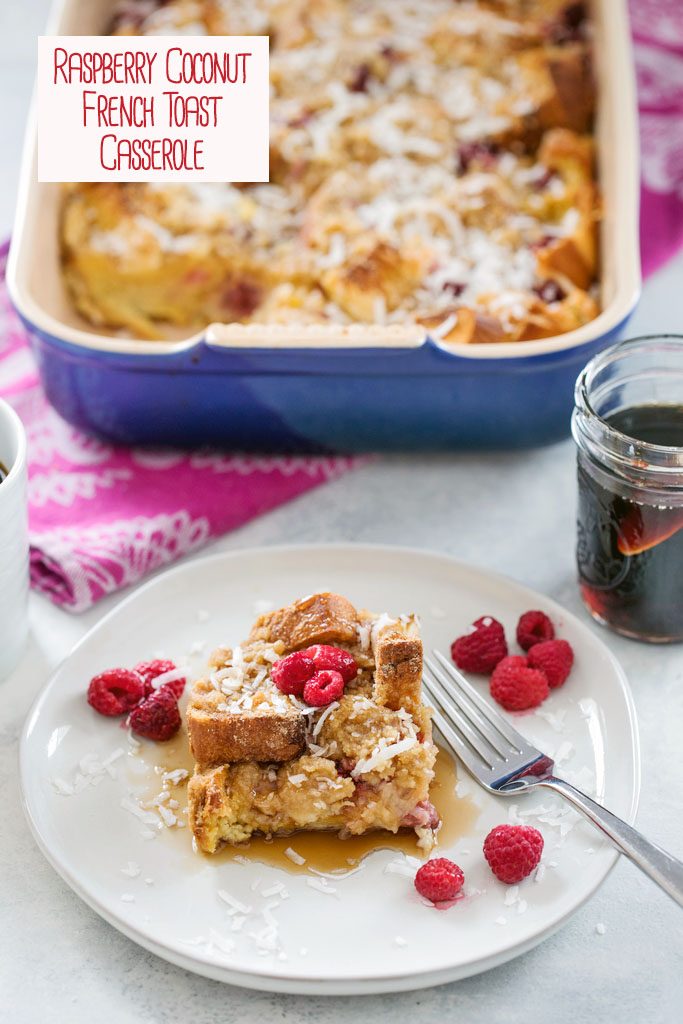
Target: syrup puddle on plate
323, 852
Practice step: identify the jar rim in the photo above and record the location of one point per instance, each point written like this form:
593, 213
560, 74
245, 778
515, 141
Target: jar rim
600, 362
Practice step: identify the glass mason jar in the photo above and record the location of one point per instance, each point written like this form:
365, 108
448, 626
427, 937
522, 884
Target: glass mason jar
628, 427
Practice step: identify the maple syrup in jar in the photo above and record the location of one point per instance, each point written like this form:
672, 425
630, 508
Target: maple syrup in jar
628, 426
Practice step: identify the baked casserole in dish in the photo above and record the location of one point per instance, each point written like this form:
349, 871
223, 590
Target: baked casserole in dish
433, 235
431, 162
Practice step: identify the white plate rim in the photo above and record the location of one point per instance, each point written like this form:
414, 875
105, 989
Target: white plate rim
294, 981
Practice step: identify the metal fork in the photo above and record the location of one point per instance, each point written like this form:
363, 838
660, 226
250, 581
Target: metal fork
503, 762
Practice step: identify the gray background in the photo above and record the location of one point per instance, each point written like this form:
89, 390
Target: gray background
514, 513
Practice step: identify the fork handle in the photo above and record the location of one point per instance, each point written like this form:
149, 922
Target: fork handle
662, 868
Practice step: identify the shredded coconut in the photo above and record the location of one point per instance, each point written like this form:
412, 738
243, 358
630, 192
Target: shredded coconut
173, 676
295, 857
321, 886
399, 867
363, 630
234, 904
323, 718
147, 817
381, 755
378, 626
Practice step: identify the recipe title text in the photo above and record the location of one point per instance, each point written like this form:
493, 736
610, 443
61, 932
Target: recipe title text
161, 108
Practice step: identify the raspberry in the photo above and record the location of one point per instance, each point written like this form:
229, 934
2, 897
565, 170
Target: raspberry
554, 658
157, 717
175, 685
533, 628
482, 153
549, 291
346, 766
324, 687
423, 815
115, 691
516, 686
324, 657
151, 670
513, 851
439, 880
289, 674
482, 648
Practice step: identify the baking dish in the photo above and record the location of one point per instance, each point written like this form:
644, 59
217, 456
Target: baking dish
328, 388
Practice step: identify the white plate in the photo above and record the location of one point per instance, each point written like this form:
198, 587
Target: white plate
350, 936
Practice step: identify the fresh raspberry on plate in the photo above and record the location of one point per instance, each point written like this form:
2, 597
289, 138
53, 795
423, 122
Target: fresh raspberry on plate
324, 656
517, 687
323, 687
554, 658
152, 670
480, 649
439, 880
533, 628
116, 691
291, 673
157, 717
513, 851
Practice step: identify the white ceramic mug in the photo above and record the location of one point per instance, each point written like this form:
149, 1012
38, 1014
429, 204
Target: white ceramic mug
14, 566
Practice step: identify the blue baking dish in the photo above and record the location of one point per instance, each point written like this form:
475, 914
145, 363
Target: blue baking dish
312, 389
313, 399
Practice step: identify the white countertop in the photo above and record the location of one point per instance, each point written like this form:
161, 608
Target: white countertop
59, 962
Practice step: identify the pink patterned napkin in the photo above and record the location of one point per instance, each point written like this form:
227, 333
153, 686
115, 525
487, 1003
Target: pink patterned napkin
101, 516
658, 39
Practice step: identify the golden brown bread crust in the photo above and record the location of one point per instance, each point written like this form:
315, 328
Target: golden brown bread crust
319, 619
398, 677
382, 273
219, 738
205, 798
273, 729
560, 81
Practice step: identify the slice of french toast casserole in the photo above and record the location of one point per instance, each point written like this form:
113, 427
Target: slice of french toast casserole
268, 762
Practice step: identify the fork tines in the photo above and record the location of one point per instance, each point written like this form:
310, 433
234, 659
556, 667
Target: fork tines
486, 743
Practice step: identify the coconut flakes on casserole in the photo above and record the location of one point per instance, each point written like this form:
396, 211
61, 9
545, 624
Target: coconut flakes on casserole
382, 754
387, 94
245, 684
